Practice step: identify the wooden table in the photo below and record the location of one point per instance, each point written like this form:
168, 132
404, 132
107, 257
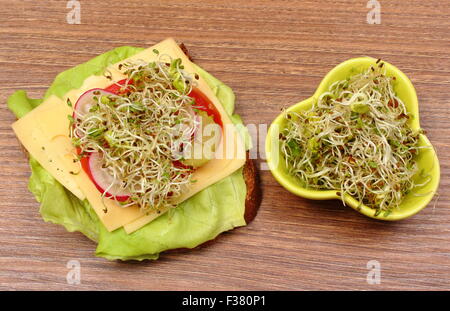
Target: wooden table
273, 54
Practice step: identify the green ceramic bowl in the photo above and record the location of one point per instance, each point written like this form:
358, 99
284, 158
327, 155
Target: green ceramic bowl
426, 159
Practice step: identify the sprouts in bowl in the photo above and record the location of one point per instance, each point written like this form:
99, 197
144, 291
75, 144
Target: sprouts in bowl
344, 110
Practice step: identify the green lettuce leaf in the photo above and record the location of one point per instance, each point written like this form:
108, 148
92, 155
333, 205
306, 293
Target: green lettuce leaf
212, 211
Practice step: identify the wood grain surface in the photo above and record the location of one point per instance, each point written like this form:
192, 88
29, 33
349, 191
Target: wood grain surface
273, 54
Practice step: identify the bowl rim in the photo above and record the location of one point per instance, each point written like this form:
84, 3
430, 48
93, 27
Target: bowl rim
332, 194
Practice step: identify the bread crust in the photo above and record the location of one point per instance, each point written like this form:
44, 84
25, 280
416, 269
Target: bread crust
254, 194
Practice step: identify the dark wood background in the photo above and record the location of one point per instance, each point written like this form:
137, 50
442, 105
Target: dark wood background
273, 54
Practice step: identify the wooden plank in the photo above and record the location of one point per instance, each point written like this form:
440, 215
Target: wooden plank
273, 54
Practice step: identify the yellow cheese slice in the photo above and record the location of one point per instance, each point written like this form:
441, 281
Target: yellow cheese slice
44, 133
112, 215
48, 126
28, 132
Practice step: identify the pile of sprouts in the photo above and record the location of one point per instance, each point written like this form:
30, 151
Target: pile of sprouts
355, 139
135, 132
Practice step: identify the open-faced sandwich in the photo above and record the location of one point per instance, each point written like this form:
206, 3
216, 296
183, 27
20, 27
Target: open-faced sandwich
138, 149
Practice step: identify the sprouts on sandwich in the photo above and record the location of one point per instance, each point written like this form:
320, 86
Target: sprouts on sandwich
355, 139
138, 131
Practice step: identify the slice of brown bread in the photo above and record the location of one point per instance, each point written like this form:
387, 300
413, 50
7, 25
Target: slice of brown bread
251, 178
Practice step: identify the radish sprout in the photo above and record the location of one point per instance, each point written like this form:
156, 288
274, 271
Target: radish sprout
355, 139
135, 130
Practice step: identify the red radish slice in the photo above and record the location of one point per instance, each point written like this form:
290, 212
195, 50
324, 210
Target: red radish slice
86, 101
197, 124
103, 179
187, 133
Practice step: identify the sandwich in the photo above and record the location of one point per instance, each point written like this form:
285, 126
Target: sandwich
139, 149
